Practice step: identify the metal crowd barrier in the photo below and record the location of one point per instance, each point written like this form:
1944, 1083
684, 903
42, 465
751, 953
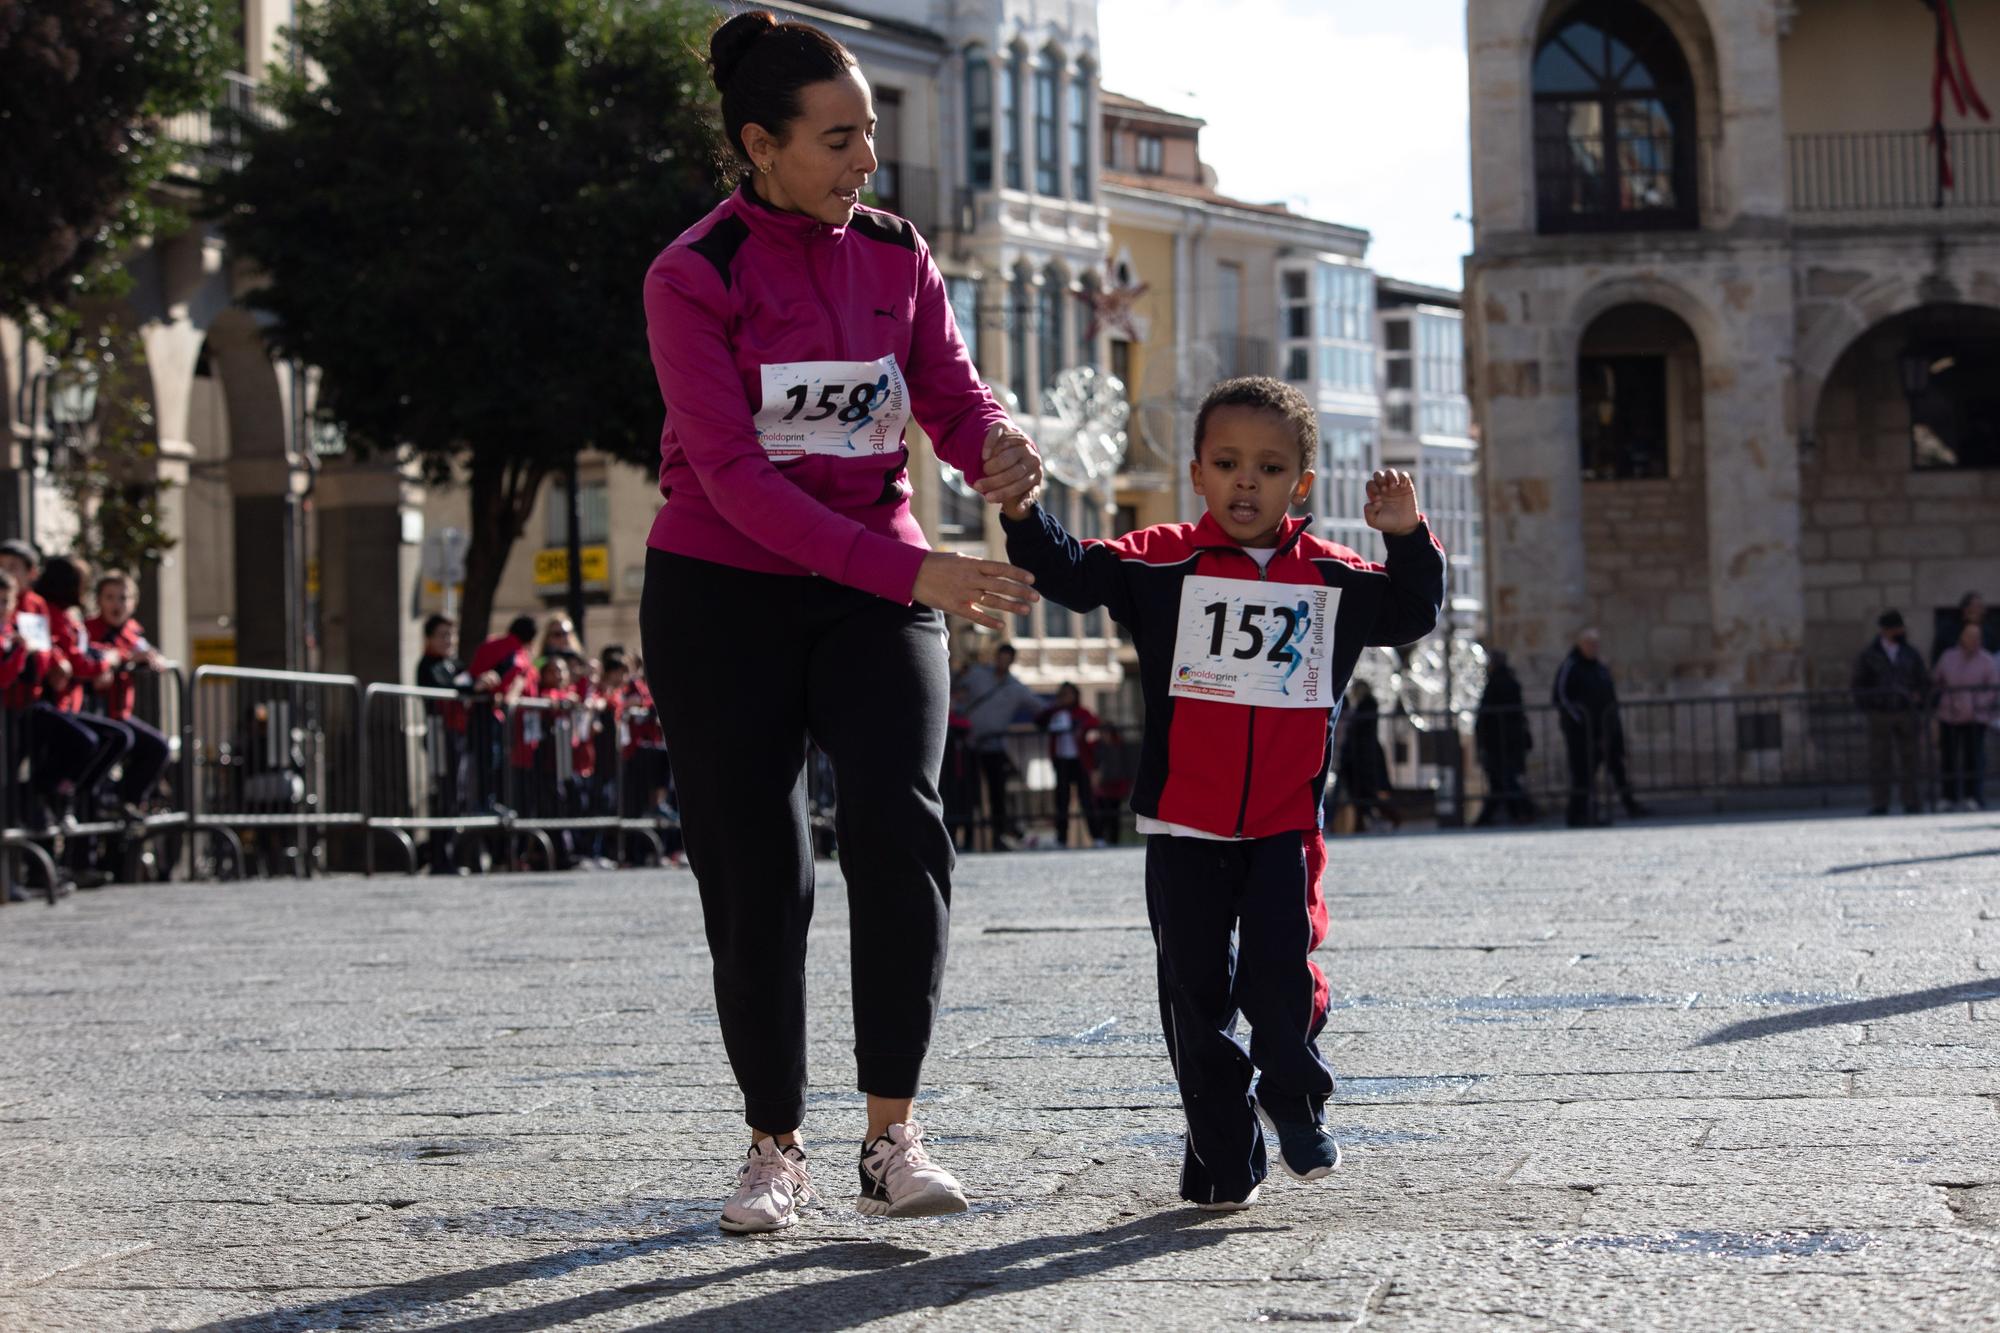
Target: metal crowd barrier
484, 777
107, 842
276, 760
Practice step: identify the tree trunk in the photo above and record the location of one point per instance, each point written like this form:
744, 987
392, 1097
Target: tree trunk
503, 495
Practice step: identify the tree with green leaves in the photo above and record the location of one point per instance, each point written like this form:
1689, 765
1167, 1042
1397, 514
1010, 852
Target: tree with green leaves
86, 90
455, 213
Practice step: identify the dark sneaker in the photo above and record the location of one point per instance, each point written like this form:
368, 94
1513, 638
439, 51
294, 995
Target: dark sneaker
1308, 1151
898, 1178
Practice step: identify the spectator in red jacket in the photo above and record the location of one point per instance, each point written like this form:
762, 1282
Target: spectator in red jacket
501, 669
1072, 730
90, 671
61, 751
120, 641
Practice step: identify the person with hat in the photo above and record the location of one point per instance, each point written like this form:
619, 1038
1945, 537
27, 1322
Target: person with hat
1891, 685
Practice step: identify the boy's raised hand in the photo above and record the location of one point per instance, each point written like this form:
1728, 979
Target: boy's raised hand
1392, 503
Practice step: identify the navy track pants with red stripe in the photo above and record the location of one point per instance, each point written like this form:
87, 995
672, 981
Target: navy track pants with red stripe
1233, 925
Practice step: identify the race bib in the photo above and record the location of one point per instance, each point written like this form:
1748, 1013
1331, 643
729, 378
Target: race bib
840, 409
1242, 641
34, 631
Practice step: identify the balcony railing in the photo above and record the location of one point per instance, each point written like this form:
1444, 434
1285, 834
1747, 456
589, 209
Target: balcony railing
213, 139
1891, 175
1241, 356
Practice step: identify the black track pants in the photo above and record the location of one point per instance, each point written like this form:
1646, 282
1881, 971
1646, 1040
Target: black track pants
1235, 924
746, 668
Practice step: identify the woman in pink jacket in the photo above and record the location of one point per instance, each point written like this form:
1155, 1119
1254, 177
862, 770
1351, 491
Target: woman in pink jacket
1968, 683
790, 595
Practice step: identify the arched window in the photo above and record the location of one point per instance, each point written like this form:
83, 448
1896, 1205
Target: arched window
1049, 350
1615, 141
1079, 131
978, 118
1048, 179
1018, 315
1086, 321
1010, 115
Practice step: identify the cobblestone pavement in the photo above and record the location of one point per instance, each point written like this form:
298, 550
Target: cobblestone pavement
1728, 1076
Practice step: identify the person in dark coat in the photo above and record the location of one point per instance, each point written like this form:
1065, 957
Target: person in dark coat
1891, 686
1500, 733
1592, 731
1364, 765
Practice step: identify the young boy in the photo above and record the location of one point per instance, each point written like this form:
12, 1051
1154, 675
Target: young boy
1247, 631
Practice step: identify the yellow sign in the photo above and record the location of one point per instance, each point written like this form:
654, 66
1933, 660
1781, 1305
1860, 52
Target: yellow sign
215, 650
552, 566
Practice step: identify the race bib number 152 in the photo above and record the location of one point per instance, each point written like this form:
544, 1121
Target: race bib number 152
1243, 641
842, 409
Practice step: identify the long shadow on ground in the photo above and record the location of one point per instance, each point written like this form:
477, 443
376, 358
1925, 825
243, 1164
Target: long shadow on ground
1858, 1011
882, 1279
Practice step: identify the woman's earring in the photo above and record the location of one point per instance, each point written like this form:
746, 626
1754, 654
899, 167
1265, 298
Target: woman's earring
764, 167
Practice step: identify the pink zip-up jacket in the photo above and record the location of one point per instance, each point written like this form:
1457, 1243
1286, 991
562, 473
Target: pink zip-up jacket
750, 286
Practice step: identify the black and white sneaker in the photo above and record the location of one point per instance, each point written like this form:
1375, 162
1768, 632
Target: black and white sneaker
898, 1178
1308, 1151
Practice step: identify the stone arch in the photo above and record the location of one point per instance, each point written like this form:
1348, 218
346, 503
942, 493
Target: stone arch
1640, 289
1877, 530
1638, 404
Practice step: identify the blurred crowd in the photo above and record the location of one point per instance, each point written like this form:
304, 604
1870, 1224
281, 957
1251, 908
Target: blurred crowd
545, 730
77, 757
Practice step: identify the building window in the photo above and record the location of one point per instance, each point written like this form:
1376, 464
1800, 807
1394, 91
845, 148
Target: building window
1400, 420
1086, 321
1399, 376
1638, 384
594, 511
1121, 366
1010, 117
1622, 401
890, 187
1343, 328
1049, 329
1048, 178
1018, 315
1614, 122
1152, 152
963, 294
1396, 335
978, 118
1079, 134
1953, 387
1298, 364
1295, 316
960, 517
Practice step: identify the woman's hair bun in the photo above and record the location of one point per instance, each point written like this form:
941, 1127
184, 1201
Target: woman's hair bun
733, 40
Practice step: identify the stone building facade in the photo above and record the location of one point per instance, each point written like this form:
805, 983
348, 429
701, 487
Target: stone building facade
1729, 343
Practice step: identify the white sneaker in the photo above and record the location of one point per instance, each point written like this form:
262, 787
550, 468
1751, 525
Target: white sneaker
770, 1186
898, 1178
1232, 1205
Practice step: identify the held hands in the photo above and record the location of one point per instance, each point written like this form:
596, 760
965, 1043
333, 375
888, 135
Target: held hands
1392, 503
1013, 477
979, 590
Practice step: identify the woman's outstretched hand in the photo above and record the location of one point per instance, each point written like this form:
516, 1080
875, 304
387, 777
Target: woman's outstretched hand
979, 590
1013, 470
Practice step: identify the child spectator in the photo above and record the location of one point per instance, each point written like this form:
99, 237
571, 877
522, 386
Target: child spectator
120, 641
1247, 631
1072, 730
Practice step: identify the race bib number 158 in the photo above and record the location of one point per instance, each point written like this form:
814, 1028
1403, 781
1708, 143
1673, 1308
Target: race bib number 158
842, 409
1243, 641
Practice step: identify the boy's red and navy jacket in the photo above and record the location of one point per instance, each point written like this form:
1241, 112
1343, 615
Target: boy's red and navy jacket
1232, 769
